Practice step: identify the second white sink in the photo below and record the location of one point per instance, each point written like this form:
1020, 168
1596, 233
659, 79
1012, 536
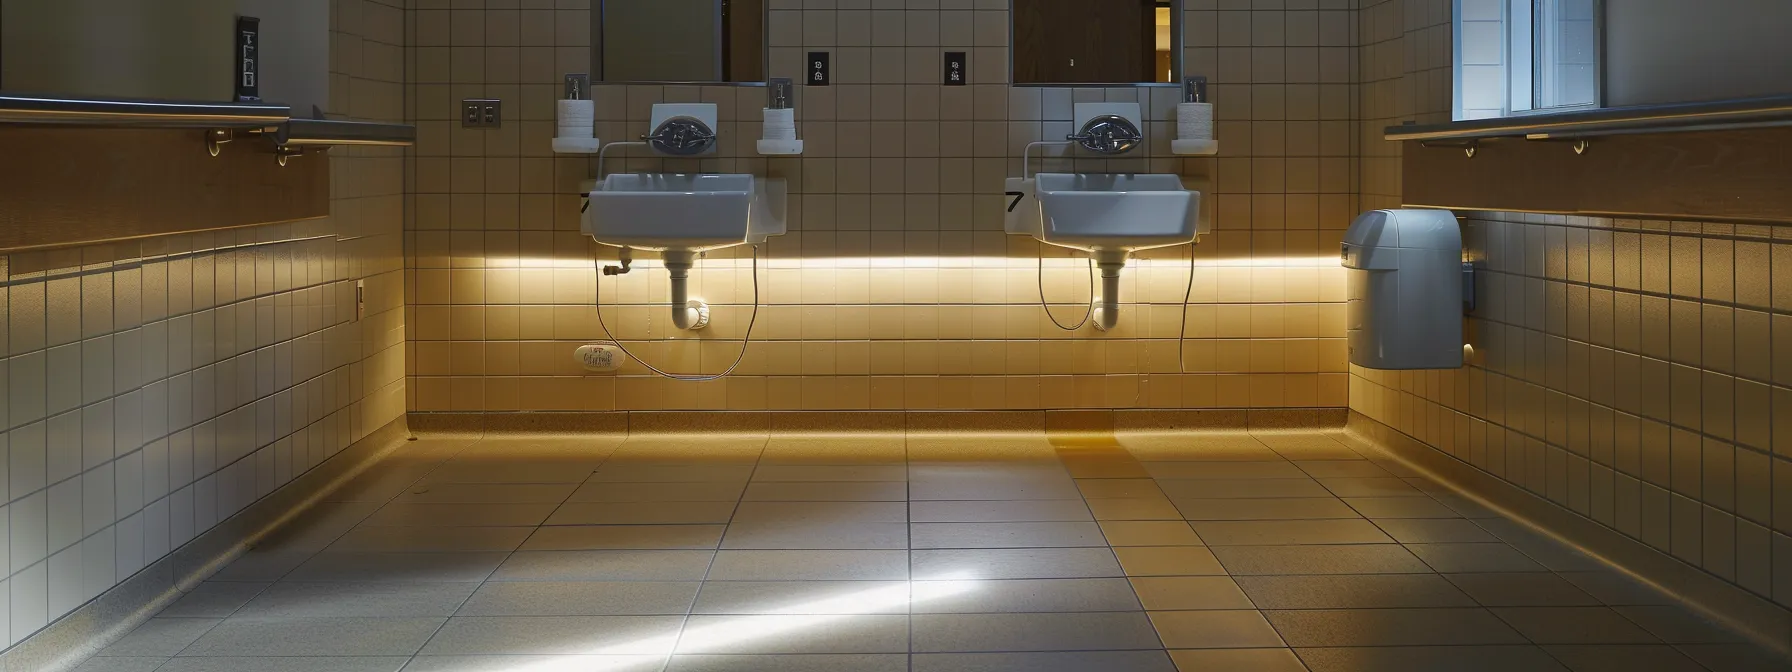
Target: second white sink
1115, 213
684, 212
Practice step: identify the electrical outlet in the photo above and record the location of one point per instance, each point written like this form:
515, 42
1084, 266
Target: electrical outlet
481, 113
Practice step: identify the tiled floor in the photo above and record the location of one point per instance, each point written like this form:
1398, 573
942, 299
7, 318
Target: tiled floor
1266, 552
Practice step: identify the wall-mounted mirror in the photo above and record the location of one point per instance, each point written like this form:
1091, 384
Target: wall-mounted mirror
679, 41
1096, 41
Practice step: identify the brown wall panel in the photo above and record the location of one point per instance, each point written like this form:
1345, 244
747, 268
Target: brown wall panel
61, 186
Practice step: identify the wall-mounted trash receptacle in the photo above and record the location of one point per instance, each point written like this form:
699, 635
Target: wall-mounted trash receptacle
1405, 295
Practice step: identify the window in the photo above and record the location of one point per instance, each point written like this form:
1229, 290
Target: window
1518, 57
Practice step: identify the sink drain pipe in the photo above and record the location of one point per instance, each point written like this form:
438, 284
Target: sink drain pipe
1107, 311
687, 313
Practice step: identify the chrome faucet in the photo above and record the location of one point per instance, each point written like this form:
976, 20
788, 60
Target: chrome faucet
682, 136
1108, 134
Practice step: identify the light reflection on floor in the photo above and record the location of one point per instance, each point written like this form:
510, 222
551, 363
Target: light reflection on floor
651, 652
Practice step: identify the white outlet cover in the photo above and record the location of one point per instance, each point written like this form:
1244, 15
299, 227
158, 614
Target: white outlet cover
600, 357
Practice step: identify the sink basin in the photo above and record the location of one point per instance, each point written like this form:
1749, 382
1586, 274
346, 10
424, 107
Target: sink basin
684, 212
1114, 213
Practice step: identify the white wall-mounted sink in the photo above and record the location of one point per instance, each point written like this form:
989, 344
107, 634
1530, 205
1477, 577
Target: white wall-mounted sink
683, 212
1121, 213
1110, 216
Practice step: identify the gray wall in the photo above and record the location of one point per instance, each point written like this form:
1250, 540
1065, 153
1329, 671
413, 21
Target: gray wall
178, 49
1668, 51
131, 48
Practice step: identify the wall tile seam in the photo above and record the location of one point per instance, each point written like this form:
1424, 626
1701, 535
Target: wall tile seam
1683, 298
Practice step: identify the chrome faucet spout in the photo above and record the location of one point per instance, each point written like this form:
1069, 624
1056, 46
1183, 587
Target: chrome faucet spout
682, 136
1108, 134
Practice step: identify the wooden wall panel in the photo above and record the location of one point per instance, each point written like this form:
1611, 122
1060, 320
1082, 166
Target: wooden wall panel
71, 185
1740, 175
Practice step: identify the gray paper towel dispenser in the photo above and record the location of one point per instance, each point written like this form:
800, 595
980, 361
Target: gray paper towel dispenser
1405, 294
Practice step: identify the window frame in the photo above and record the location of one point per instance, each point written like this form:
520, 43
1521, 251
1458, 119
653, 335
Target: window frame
1520, 65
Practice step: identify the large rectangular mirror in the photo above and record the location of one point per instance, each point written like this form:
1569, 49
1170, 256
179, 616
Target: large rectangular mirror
1096, 41
679, 41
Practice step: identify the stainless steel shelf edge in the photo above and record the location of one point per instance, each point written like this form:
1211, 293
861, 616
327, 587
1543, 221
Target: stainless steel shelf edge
327, 132
18, 108
1674, 118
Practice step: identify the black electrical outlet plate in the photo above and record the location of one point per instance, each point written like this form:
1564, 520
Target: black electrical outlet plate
818, 68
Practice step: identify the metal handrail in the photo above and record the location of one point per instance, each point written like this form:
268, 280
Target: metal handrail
16, 108
1671, 118
325, 132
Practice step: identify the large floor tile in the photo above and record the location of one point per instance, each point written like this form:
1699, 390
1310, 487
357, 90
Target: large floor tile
1461, 558
581, 598
795, 633
459, 515
1022, 596
160, 637
1165, 593
826, 491
1386, 486
1574, 625
1522, 589
641, 513
1149, 533
1364, 591
1623, 658
291, 664
812, 662
1168, 561
289, 599
787, 513
1400, 507
1134, 508
671, 473
623, 537
853, 472
455, 566
1391, 627
800, 535
1237, 660
1434, 530
1016, 563
1242, 488
213, 599
604, 566
1118, 488
1678, 624
537, 663
803, 597
694, 491
612, 635
1214, 629
1005, 535
1015, 511
1509, 658
1289, 532
326, 636
1358, 559
1224, 469
1054, 661
847, 565
400, 539
486, 493
1263, 508
1032, 632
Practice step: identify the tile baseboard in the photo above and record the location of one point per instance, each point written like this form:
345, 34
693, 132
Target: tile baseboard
821, 422
1769, 624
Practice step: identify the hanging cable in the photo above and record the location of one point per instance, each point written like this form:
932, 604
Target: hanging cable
1089, 273
1188, 293
597, 270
